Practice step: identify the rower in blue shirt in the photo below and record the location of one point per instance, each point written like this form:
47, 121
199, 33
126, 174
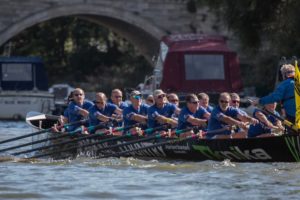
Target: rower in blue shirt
161, 112
224, 115
78, 108
192, 115
116, 99
235, 103
204, 101
137, 111
267, 122
102, 111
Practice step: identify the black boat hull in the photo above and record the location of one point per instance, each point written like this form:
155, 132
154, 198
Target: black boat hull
285, 148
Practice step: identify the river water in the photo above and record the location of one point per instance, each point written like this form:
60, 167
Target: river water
129, 178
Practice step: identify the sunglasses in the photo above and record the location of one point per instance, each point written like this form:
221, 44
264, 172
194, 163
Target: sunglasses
99, 102
194, 102
161, 96
138, 97
289, 72
76, 95
235, 101
222, 101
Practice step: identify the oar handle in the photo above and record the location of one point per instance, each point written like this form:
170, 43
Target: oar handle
151, 130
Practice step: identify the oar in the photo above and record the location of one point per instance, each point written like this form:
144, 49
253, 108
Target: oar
40, 132
36, 142
97, 142
287, 123
63, 134
91, 128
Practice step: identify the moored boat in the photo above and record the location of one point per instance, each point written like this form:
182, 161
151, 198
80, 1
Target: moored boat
284, 148
23, 87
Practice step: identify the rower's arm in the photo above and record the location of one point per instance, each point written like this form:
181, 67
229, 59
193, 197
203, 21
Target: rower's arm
83, 112
102, 117
118, 111
162, 120
207, 115
177, 110
196, 121
265, 121
247, 118
230, 121
139, 118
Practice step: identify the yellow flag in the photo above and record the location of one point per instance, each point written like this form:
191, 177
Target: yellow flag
297, 95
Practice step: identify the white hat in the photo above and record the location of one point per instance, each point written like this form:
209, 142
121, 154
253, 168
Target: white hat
158, 92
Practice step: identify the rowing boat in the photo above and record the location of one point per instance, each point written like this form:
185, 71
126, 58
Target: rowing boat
284, 148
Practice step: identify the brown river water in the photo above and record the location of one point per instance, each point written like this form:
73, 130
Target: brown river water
129, 178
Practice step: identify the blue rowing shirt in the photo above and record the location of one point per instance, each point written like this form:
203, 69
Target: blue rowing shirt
185, 113
167, 110
94, 111
201, 112
130, 111
215, 122
74, 115
209, 109
122, 106
260, 128
66, 113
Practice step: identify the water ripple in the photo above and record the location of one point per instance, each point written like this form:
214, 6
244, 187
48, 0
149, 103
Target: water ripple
130, 178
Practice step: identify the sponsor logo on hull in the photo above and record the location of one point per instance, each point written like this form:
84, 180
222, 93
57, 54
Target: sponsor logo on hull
235, 153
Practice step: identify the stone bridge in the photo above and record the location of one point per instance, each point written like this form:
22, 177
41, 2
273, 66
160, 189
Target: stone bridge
142, 22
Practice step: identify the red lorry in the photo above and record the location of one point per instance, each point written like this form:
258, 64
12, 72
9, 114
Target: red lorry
194, 63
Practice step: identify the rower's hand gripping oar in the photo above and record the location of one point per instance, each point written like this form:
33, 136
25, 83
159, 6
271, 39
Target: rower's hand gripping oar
40, 132
98, 142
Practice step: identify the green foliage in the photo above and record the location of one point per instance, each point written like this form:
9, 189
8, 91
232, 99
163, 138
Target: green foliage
77, 51
267, 30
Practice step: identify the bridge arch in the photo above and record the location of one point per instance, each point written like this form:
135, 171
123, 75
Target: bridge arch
136, 29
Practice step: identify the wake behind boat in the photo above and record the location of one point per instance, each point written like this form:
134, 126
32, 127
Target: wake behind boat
284, 148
